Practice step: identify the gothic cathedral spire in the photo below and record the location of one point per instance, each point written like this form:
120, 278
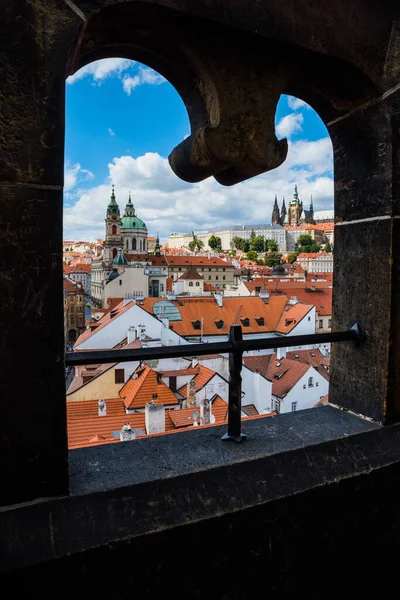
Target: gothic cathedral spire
275, 213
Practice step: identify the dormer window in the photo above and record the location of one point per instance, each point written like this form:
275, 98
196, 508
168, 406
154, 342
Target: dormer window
219, 324
196, 324
245, 322
260, 321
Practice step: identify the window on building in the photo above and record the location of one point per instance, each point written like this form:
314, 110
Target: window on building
223, 275
209, 277
260, 321
316, 383
219, 324
190, 283
294, 406
304, 386
114, 230
216, 277
223, 269
71, 308
276, 405
115, 252
72, 321
311, 382
321, 324
330, 323
119, 376
133, 243
196, 324
198, 283
245, 322
120, 282
309, 318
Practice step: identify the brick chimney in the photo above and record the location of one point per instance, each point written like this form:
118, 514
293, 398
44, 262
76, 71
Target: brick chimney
191, 394
280, 353
131, 334
154, 418
219, 299
126, 434
205, 411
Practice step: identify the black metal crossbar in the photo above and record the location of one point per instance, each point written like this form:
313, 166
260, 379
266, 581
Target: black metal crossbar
235, 347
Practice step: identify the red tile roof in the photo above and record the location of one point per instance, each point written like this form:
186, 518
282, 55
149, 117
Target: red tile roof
234, 310
203, 376
291, 316
191, 273
142, 387
284, 374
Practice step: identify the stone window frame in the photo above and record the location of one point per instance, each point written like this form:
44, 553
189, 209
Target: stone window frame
371, 121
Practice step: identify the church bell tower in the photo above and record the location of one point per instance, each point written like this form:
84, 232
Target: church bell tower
113, 230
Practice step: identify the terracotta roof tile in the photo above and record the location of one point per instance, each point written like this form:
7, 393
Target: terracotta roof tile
204, 375
291, 316
284, 374
140, 390
191, 273
207, 311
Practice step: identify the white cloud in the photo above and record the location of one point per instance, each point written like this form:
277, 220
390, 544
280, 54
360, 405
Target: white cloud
168, 204
289, 124
296, 103
74, 174
142, 77
101, 70
111, 132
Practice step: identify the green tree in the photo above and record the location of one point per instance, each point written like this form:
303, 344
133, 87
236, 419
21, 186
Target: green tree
257, 243
271, 259
251, 255
328, 247
259, 261
196, 244
252, 234
271, 245
292, 257
215, 243
305, 243
238, 243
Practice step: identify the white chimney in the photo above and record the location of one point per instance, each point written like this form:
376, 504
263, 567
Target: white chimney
126, 434
154, 418
102, 408
280, 353
195, 362
131, 334
293, 300
219, 299
205, 411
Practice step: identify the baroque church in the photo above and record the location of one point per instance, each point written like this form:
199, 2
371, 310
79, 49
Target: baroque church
125, 249
128, 232
295, 215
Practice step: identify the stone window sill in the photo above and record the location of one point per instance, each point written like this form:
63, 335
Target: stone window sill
123, 490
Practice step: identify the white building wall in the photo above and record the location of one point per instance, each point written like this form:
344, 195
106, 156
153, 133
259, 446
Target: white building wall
216, 385
113, 333
133, 279
305, 397
257, 390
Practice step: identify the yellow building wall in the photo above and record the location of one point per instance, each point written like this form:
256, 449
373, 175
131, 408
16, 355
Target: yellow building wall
100, 388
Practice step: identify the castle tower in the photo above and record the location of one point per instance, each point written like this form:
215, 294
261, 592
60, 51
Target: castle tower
275, 213
295, 209
113, 230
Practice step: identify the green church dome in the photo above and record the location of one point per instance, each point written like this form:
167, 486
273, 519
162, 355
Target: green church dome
132, 223
120, 258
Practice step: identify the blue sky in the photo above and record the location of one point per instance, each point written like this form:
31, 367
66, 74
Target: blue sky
122, 121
